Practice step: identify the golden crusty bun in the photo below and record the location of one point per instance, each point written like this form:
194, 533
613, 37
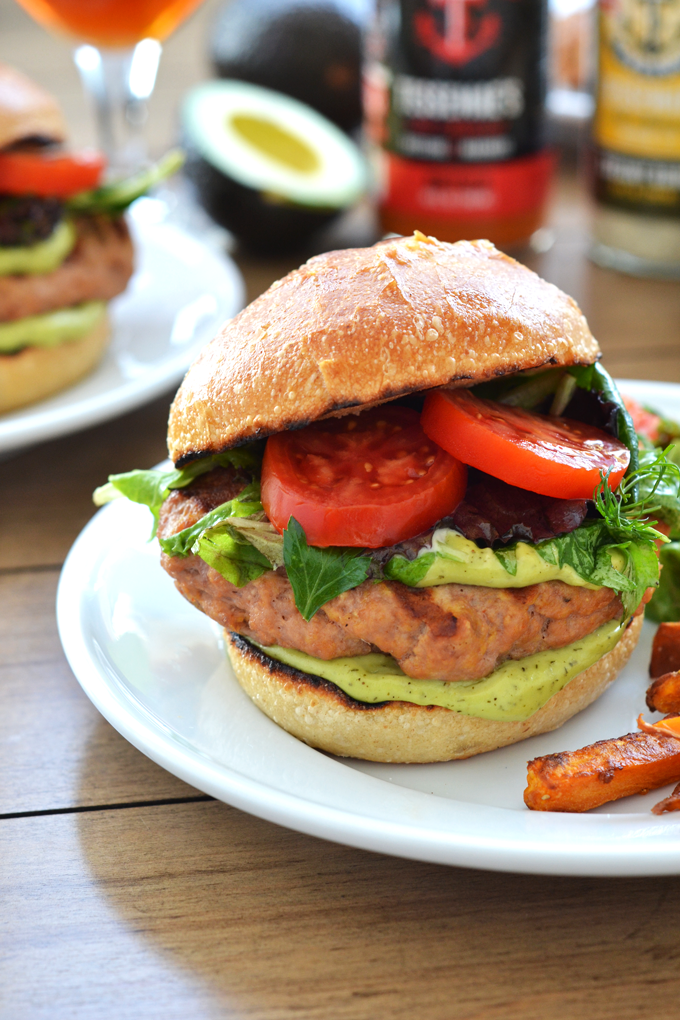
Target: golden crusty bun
26, 110
353, 328
319, 713
37, 372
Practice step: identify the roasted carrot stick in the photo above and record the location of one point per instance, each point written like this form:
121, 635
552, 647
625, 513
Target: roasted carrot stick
665, 650
671, 803
602, 772
664, 694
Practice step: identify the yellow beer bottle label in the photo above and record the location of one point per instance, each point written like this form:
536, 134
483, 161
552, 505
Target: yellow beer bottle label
637, 120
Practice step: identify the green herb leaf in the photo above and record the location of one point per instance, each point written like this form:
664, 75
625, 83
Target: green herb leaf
410, 572
665, 603
232, 556
114, 198
263, 535
318, 575
153, 487
507, 559
629, 511
244, 505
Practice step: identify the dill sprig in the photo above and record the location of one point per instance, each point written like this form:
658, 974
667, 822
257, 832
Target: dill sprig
626, 513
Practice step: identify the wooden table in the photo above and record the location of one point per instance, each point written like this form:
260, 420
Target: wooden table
126, 894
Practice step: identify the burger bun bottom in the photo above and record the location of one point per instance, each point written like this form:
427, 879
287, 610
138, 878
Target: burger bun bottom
37, 372
320, 714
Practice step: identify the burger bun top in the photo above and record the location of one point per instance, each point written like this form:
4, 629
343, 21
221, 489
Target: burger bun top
354, 328
27, 111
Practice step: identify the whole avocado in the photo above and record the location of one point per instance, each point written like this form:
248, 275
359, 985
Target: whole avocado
262, 225
308, 49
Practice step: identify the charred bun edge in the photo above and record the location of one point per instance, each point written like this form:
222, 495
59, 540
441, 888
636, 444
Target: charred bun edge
355, 328
352, 406
319, 713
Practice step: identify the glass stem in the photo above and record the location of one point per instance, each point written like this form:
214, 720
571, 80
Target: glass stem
119, 83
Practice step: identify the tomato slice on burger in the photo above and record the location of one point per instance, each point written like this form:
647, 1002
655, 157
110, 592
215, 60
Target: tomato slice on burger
552, 456
368, 481
49, 175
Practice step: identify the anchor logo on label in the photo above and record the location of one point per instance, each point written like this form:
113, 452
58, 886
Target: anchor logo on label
465, 37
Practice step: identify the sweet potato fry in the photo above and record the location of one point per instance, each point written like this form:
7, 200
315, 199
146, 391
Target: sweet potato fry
602, 772
665, 650
664, 694
671, 803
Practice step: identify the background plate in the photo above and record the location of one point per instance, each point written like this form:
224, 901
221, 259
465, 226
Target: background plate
156, 669
181, 293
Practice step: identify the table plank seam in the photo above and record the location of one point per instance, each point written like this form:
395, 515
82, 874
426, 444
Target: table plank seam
200, 798
34, 568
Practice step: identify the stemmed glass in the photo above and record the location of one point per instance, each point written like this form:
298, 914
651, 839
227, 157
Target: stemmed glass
117, 57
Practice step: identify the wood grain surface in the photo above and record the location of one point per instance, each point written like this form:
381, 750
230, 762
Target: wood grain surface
125, 893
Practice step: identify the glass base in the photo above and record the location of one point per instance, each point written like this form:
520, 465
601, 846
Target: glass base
636, 244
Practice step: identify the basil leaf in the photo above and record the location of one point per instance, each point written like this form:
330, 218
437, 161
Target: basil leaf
230, 555
409, 572
318, 575
507, 559
665, 603
114, 198
244, 505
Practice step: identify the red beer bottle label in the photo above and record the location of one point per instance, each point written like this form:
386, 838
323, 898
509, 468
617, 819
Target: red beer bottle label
454, 98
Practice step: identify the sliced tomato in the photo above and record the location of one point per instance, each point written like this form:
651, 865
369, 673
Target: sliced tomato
552, 456
49, 175
369, 480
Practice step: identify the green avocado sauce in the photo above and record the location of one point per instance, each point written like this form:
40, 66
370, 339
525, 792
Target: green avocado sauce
453, 559
512, 693
51, 329
43, 257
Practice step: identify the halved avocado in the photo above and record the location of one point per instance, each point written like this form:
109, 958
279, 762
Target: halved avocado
309, 49
267, 167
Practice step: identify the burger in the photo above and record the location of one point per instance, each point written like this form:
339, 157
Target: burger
411, 496
65, 249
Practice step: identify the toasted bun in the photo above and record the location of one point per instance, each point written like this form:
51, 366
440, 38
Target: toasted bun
319, 713
26, 110
38, 372
353, 328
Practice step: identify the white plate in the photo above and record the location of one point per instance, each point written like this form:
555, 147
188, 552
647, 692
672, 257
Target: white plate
155, 667
181, 293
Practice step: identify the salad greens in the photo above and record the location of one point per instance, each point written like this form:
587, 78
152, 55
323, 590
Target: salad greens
153, 487
616, 549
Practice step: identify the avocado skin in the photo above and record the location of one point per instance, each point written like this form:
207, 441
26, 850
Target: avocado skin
261, 226
309, 50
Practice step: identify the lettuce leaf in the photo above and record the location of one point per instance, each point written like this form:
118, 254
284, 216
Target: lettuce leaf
263, 535
318, 575
153, 487
220, 544
230, 555
244, 505
114, 198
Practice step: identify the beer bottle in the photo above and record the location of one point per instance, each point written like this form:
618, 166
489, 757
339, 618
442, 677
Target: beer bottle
454, 112
637, 137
